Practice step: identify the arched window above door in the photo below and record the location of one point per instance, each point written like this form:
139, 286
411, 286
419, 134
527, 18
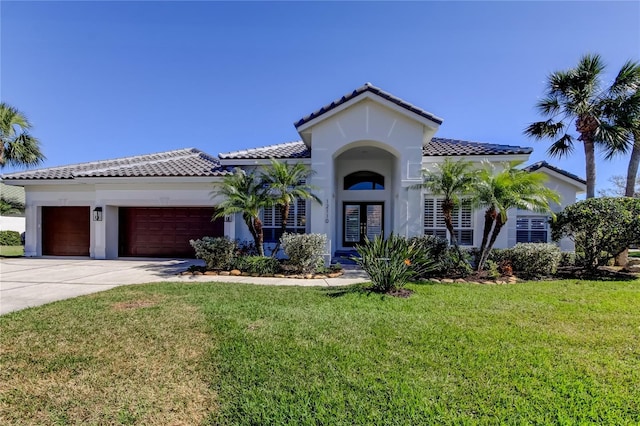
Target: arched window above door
363, 180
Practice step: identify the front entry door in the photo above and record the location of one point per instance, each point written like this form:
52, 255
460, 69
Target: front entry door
362, 221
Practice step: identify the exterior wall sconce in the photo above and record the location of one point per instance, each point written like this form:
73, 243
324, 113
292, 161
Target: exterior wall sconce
228, 218
97, 214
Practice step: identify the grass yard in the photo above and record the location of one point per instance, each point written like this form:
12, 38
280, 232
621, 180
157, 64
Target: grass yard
11, 251
564, 352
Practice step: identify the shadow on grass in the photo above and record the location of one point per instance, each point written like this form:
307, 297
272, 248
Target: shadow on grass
333, 292
602, 274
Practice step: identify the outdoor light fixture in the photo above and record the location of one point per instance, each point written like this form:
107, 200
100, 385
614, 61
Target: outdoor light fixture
97, 214
228, 218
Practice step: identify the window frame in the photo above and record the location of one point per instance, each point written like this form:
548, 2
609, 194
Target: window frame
272, 221
530, 230
463, 220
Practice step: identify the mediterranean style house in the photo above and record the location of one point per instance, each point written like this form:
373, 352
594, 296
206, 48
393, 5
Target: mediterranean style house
367, 148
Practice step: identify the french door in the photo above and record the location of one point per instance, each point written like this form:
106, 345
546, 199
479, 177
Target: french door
362, 221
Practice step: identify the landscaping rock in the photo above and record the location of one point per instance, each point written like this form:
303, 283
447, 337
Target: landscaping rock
235, 272
267, 275
198, 273
225, 273
460, 280
319, 277
308, 276
632, 268
334, 274
245, 274
279, 276
186, 273
433, 280
446, 280
211, 273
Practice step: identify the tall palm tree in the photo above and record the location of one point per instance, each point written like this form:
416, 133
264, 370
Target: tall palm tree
243, 192
10, 206
578, 95
17, 147
451, 180
509, 188
628, 117
285, 183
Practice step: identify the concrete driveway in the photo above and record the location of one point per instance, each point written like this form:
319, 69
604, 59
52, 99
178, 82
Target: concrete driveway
26, 282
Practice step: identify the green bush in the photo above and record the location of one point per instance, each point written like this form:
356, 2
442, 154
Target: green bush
217, 252
445, 258
391, 263
260, 265
535, 260
567, 258
600, 227
304, 251
10, 238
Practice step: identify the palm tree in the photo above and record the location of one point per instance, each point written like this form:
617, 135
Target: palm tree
18, 147
451, 180
577, 95
628, 117
244, 193
285, 183
507, 189
10, 206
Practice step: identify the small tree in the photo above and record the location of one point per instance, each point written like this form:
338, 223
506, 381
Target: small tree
601, 228
285, 183
243, 192
17, 146
451, 180
507, 189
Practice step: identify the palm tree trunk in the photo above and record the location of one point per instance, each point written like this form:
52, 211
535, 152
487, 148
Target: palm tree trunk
259, 237
590, 160
447, 210
284, 212
632, 170
484, 255
489, 218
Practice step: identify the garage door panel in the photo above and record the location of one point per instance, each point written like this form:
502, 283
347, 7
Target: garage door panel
66, 231
165, 231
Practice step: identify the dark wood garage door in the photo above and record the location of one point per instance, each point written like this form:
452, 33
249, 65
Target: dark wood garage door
66, 231
165, 231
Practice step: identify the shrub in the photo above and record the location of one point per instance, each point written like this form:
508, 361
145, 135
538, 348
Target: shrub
445, 259
600, 227
260, 265
392, 262
535, 260
217, 252
304, 251
10, 238
567, 258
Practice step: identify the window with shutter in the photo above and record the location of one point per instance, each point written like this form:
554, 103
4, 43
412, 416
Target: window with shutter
272, 221
532, 229
462, 218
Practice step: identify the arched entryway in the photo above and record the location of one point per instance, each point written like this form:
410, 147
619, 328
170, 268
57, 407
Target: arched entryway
365, 176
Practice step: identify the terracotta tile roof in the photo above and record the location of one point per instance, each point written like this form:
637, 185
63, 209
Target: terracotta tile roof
540, 164
441, 147
188, 162
295, 149
368, 87
437, 147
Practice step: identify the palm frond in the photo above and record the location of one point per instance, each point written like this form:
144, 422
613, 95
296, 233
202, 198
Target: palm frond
544, 129
563, 147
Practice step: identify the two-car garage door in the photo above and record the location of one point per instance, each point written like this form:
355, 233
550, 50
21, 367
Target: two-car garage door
164, 231
143, 231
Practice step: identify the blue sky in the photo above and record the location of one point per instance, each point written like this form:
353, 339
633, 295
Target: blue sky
110, 79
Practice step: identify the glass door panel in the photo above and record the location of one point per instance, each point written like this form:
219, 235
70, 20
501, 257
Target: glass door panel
352, 223
374, 221
362, 221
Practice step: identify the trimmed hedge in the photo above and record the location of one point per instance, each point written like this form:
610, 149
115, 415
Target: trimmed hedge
10, 238
304, 251
217, 252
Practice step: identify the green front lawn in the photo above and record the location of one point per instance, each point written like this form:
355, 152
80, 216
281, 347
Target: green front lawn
11, 251
564, 352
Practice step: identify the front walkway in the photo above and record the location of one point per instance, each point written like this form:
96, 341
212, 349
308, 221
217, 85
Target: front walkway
26, 282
